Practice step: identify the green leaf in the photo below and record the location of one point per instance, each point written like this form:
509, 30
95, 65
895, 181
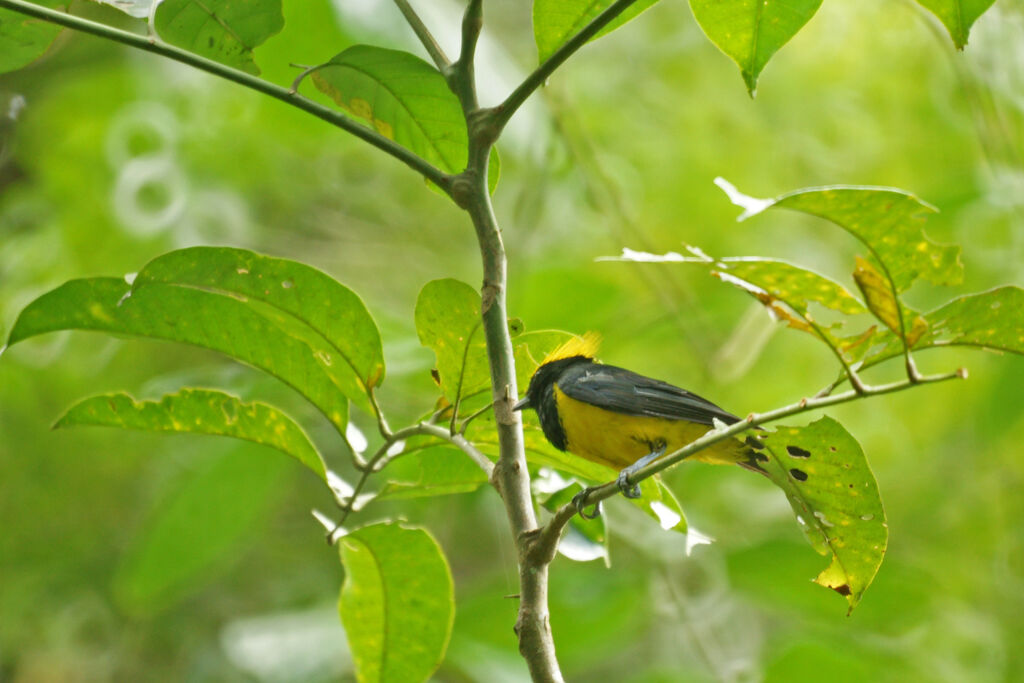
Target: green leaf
430, 470
556, 21
958, 16
885, 306
191, 316
405, 99
751, 31
226, 31
325, 314
530, 349
199, 529
988, 320
24, 39
824, 474
199, 411
397, 602
448, 322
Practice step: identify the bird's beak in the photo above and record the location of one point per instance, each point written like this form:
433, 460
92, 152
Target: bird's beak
524, 403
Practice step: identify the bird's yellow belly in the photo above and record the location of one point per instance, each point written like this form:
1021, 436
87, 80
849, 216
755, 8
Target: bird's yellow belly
618, 440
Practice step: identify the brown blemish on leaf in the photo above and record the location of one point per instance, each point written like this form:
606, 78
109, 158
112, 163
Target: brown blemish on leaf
842, 590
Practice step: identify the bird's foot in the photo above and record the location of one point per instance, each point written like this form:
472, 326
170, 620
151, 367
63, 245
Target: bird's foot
629, 489
579, 500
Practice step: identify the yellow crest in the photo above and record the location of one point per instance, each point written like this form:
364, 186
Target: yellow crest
586, 346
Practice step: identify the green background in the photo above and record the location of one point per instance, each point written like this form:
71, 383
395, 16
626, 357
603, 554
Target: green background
620, 150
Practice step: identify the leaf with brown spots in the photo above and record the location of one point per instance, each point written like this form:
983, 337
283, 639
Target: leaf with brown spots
824, 474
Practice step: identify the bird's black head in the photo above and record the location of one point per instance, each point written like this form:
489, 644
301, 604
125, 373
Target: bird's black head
541, 397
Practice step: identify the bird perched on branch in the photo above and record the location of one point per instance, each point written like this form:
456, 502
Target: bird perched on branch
616, 417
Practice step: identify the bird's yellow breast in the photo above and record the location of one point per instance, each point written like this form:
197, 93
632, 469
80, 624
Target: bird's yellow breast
618, 440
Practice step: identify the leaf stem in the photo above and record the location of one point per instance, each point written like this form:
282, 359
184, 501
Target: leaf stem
441, 60
155, 46
501, 114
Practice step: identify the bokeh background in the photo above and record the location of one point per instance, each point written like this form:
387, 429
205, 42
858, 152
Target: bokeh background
136, 557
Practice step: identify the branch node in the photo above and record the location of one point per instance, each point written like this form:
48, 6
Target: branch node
961, 373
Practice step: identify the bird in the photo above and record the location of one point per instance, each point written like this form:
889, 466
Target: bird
622, 419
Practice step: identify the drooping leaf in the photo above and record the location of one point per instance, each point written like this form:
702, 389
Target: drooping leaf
198, 529
751, 31
556, 21
448, 322
957, 16
226, 31
328, 316
405, 99
886, 307
191, 316
824, 474
397, 603
430, 470
199, 411
24, 39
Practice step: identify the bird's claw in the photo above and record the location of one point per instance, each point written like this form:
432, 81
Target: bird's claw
579, 500
629, 490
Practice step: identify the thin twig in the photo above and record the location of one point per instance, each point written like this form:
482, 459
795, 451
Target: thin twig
504, 111
149, 44
423, 33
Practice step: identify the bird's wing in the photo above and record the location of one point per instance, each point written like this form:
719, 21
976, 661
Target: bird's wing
623, 391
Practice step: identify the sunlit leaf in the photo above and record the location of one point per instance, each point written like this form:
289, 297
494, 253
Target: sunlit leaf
226, 31
824, 474
958, 16
404, 99
751, 31
430, 470
196, 532
879, 297
556, 21
191, 316
200, 411
530, 348
448, 322
24, 39
397, 602
325, 314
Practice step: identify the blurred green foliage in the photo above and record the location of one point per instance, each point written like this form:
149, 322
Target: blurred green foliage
117, 157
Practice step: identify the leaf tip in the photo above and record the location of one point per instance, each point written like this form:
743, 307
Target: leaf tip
751, 205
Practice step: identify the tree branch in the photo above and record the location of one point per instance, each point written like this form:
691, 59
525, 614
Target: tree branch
423, 33
501, 114
149, 44
547, 539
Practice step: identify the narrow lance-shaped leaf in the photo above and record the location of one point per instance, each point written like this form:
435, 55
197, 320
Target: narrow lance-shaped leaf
751, 31
824, 474
886, 307
191, 316
957, 16
200, 411
329, 317
556, 21
226, 31
405, 99
24, 39
397, 603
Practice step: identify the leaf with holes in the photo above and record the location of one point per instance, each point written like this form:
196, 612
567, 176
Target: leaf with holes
957, 16
329, 317
397, 602
199, 411
226, 31
556, 21
824, 474
751, 31
192, 316
405, 99
24, 39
